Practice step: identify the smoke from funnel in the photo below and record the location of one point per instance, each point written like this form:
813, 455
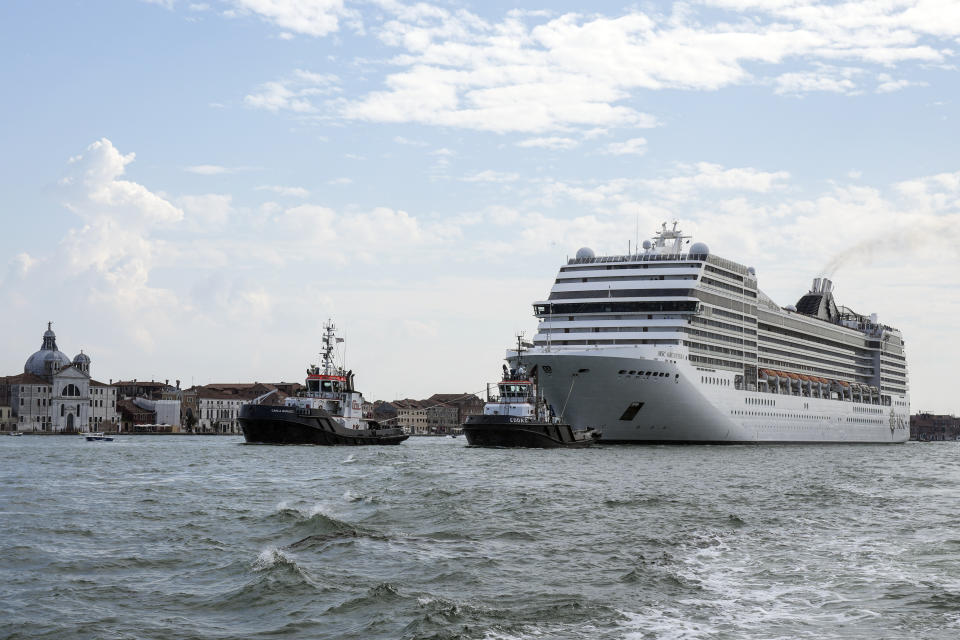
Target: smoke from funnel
922, 235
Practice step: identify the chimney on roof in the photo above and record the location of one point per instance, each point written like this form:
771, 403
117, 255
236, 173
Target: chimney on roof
166, 382
111, 380
178, 384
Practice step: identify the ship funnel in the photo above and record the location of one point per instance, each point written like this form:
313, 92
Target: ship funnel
827, 285
816, 285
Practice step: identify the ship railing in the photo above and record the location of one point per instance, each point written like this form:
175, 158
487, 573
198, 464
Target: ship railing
639, 257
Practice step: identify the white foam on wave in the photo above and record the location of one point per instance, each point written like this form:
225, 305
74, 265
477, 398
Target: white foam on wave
350, 496
270, 557
319, 509
663, 624
350, 459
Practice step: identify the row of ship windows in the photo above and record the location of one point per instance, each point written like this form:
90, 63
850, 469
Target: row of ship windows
649, 374
776, 414
768, 402
733, 316
714, 349
599, 342
718, 362
862, 356
803, 417
614, 307
810, 334
722, 338
806, 358
722, 325
848, 352
620, 293
717, 381
638, 329
868, 410
669, 265
738, 306
726, 274
572, 280
728, 287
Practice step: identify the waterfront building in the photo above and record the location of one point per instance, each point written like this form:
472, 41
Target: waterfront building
218, 405
6, 418
151, 390
466, 404
927, 426
53, 394
440, 413
133, 415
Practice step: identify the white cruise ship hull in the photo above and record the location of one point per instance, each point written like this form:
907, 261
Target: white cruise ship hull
643, 393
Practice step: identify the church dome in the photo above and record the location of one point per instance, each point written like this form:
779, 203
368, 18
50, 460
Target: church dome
81, 358
42, 362
48, 358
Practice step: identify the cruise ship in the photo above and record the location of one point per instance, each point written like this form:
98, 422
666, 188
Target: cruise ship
675, 344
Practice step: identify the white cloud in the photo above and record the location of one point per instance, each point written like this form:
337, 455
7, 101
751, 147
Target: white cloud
633, 146
491, 176
23, 263
94, 189
553, 142
209, 169
209, 212
888, 84
407, 141
822, 78
115, 243
309, 17
293, 93
537, 74
296, 192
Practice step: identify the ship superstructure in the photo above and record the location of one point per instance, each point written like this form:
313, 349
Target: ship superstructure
518, 416
328, 412
675, 344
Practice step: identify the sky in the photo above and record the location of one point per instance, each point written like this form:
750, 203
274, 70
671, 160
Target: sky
191, 189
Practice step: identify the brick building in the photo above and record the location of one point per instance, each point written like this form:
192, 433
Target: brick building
928, 426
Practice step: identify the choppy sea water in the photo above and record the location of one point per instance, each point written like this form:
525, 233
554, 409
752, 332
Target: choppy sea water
204, 537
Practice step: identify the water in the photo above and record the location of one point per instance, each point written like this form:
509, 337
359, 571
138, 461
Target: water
193, 537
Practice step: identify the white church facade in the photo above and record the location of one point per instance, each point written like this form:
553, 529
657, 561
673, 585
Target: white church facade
55, 394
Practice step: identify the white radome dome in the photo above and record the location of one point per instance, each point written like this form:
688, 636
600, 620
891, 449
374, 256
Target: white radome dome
584, 253
700, 248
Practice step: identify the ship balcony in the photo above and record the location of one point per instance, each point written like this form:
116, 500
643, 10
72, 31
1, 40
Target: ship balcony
627, 323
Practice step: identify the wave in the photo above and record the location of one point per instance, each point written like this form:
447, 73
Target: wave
635, 501
350, 496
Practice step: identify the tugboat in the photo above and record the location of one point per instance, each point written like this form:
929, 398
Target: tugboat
329, 412
519, 417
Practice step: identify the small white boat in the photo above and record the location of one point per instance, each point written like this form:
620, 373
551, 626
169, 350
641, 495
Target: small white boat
96, 436
14, 433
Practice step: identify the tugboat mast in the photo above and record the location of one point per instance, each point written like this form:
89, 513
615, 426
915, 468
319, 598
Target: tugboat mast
329, 346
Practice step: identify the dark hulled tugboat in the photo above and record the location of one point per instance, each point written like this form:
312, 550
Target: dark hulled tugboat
329, 412
519, 417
